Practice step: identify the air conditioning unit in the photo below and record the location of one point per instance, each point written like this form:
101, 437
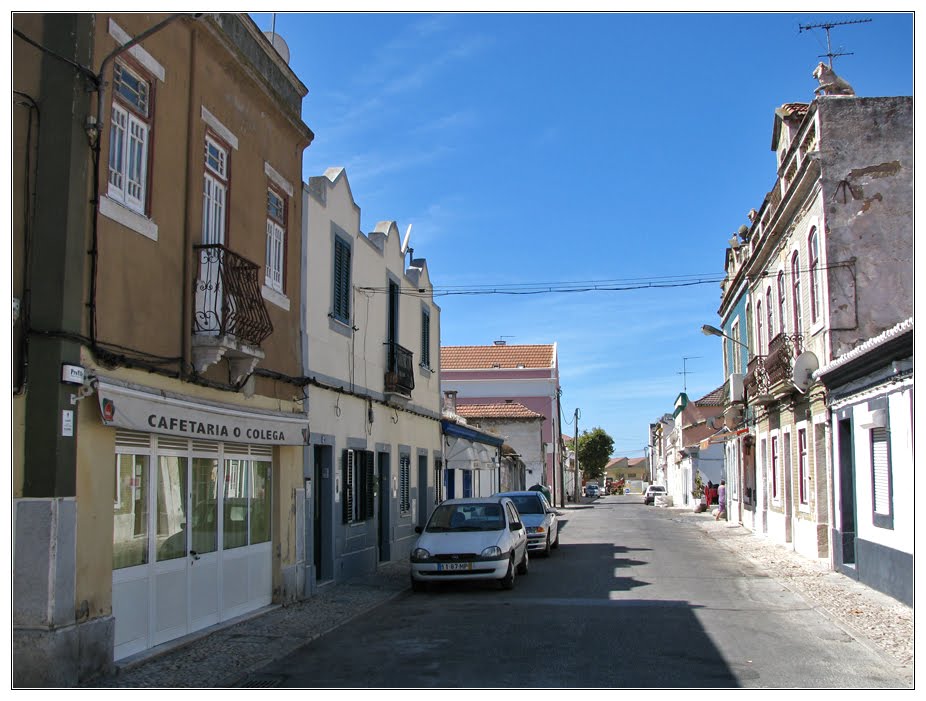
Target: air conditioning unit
736, 387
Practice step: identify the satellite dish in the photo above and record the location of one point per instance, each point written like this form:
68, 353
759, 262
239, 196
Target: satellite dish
804, 366
408, 232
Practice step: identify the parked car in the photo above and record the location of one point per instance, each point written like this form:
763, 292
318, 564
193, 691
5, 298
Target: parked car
592, 491
471, 539
654, 490
539, 518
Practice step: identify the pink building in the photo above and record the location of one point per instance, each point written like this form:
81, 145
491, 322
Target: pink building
515, 374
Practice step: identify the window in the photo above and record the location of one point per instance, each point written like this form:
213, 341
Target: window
736, 347
467, 483
760, 344
341, 286
276, 240
882, 498
425, 338
130, 511
796, 293
129, 138
803, 475
813, 251
769, 311
774, 488
358, 479
405, 504
781, 302
215, 191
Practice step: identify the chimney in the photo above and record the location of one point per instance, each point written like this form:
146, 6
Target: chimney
450, 401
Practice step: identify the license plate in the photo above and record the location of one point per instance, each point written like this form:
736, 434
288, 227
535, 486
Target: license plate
454, 566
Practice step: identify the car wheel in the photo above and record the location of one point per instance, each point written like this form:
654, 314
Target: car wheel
546, 550
556, 542
524, 567
419, 586
507, 581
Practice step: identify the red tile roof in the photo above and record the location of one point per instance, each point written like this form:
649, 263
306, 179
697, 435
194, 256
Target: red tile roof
487, 357
715, 398
505, 410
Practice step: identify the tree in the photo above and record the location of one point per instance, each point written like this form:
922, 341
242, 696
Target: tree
595, 449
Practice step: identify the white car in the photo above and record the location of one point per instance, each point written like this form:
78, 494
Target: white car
539, 518
470, 539
653, 491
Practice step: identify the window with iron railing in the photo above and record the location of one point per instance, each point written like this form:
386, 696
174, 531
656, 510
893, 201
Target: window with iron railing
400, 376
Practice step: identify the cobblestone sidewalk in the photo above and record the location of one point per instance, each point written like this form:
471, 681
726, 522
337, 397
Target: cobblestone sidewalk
881, 623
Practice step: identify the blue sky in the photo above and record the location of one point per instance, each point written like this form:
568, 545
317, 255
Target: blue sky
568, 148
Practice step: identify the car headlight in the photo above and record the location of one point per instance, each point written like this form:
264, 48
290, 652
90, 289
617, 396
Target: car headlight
420, 554
492, 551
536, 529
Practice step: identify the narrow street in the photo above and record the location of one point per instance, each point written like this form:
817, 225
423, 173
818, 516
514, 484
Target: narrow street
630, 599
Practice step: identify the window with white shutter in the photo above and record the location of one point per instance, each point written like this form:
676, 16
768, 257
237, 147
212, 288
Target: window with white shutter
881, 479
276, 240
215, 191
129, 137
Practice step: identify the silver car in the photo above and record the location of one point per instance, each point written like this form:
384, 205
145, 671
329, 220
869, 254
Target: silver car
475, 538
539, 518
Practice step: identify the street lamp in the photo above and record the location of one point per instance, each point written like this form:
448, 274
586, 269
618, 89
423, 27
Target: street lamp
709, 330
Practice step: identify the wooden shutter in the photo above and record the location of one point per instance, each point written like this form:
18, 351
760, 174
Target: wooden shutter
368, 483
347, 472
341, 280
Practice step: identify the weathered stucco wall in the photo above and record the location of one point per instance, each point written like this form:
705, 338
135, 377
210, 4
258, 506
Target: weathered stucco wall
866, 155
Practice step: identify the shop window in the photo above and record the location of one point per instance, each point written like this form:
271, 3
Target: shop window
130, 511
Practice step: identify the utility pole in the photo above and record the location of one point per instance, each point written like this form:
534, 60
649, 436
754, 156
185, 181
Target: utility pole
575, 447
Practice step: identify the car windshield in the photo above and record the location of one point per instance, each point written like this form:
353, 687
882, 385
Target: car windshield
528, 504
657, 489
466, 517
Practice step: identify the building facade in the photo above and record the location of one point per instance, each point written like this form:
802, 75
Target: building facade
870, 404
520, 428
828, 266
525, 374
686, 458
372, 333
161, 444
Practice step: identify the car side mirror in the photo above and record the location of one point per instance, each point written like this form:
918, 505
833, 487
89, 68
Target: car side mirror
516, 526
418, 529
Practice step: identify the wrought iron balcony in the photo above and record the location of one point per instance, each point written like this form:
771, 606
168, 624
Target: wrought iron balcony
782, 350
226, 297
756, 381
400, 373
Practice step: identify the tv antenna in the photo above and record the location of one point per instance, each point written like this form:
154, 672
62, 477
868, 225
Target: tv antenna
827, 26
684, 373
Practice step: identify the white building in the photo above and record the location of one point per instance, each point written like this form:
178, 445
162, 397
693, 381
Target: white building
371, 339
872, 471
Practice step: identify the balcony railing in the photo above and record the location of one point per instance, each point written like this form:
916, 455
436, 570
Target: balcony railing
400, 374
226, 297
756, 381
781, 353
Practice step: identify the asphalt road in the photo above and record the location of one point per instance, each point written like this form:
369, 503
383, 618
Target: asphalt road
632, 598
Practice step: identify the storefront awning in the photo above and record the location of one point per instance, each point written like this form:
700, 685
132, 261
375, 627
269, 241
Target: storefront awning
464, 454
150, 412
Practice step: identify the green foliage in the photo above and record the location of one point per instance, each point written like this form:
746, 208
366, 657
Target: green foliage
595, 448
698, 491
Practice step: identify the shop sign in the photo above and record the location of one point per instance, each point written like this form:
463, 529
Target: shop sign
143, 411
